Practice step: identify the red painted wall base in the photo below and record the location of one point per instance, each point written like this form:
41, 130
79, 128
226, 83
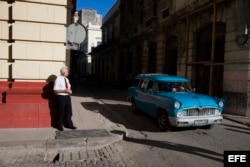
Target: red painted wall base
26, 105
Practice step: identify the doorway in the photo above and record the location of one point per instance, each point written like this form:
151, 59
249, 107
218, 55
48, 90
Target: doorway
171, 56
203, 59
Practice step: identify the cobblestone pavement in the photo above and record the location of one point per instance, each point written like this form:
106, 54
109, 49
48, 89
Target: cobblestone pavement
105, 156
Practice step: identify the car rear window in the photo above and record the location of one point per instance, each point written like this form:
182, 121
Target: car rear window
136, 82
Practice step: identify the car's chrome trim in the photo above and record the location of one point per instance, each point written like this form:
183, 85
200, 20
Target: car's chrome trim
190, 121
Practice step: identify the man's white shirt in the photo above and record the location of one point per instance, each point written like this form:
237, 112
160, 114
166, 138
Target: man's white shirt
59, 84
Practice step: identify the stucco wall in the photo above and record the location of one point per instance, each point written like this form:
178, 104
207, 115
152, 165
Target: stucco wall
32, 39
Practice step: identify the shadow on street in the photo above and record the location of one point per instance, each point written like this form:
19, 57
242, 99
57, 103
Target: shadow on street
205, 153
237, 127
117, 112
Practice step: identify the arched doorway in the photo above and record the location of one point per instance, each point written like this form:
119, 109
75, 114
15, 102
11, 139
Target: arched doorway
203, 59
171, 56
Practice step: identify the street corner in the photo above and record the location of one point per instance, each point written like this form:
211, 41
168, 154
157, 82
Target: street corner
84, 139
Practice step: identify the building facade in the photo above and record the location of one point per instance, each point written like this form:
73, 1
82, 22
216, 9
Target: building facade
92, 21
32, 46
106, 57
206, 41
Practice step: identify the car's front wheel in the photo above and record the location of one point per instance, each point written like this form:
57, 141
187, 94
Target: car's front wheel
163, 121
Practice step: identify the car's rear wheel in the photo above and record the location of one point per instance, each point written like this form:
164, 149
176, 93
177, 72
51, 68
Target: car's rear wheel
163, 121
134, 107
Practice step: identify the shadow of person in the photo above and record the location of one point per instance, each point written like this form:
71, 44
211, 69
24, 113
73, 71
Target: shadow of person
49, 94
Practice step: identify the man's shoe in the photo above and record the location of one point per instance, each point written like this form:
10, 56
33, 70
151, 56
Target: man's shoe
59, 128
71, 127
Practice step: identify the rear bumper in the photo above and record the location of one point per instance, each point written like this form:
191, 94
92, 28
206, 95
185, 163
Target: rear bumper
195, 121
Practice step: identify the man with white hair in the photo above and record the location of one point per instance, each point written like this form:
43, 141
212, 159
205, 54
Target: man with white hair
63, 90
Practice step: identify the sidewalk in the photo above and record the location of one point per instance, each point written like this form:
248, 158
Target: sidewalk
93, 131
238, 119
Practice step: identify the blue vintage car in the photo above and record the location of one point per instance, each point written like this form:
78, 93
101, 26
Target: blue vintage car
172, 101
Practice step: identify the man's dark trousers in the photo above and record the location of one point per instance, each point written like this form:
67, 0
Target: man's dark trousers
64, 107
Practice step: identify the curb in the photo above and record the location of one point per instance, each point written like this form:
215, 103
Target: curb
238, 119
60, 144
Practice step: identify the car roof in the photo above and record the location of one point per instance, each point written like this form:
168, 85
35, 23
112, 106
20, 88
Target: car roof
162, 77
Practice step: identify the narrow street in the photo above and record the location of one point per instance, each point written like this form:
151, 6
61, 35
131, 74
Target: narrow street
65, 69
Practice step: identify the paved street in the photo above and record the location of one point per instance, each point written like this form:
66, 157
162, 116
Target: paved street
144, 144
105, 156
147, 146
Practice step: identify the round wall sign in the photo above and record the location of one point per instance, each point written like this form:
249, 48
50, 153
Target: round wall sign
76, 33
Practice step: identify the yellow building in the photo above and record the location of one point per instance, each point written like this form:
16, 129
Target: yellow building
32, 49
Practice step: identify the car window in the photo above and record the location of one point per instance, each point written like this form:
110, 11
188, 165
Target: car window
140, 82
174, 86
143, 84
136, 82
155, 87
150, 85
165, 86
182, 87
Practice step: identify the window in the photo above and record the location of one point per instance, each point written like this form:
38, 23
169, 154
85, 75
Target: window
155, 8
150, 85
165, 13
143, 84
165, 86
155, 87
136, 82
174, 87
99, 43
